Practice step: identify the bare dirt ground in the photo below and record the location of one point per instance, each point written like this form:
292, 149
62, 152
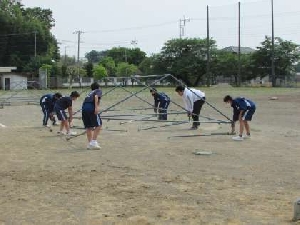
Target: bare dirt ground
150, 176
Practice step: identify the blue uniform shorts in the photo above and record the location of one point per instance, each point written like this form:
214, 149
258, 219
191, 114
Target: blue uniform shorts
248, 114
61, 115
91, 120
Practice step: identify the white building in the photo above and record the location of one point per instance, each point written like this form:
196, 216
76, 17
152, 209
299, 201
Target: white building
11, 80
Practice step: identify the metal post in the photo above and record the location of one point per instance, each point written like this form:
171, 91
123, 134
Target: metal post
208, 50
182, 23
239, 47
35, 44
273, 48
78, 53
66, 55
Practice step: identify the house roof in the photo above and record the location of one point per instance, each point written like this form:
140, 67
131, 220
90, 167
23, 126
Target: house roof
7, 69
235, 49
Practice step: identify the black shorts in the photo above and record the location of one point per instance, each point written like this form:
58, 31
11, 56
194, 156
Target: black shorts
61, 115
91, 120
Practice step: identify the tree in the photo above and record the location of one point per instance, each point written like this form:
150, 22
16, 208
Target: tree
89, 69
121, 54
297, 67
226, 64
39, 14
99, 72
110, 65
125, 69
186, 59
95, 56
286, 54
148, 65
19, 28
71, 72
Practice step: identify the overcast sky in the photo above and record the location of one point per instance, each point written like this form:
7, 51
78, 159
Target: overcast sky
151, 23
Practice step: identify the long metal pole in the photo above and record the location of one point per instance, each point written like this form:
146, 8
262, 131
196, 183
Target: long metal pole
273, 48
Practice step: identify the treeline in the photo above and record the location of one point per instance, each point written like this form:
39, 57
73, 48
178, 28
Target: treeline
187, 60
27, 42
25, 37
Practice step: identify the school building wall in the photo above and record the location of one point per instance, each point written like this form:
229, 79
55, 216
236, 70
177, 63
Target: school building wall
11, 81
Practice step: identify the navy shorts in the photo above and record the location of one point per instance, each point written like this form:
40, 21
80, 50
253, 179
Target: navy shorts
61, 115
248, 114
91, 120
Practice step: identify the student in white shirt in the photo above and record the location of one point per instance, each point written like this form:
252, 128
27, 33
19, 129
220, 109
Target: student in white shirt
193, 100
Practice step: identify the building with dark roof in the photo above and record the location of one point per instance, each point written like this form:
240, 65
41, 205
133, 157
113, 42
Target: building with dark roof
235, 49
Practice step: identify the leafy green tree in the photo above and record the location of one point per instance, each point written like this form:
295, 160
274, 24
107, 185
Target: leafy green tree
89, 69
186, 59
226, 64
121, 54
125, 69
99, 72
95, 56
72, 71
286, 54
110, 65
19, 28
136, 56
43, 15
297, 67
147, 66
67, 60
64, 71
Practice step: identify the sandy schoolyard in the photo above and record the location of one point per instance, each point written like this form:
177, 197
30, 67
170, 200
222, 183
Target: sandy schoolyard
151, 176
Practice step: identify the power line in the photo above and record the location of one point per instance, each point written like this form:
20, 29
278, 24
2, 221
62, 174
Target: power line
132, 28
231, 4
16, 34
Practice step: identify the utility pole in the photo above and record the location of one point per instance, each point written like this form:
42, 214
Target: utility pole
182, 23
134, 43
66, 54
78, 32
273, 49
239, 47
208, 77
35, 44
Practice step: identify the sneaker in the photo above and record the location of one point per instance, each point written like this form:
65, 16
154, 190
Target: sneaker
237, 138
61, 133
94, 146
246, 136
72, 133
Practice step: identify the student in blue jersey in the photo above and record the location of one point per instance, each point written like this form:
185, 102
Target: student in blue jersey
47, 104
243, 110
60, 106
91, 117
161, 104
193, 100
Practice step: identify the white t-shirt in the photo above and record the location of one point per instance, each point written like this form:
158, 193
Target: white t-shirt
190, 96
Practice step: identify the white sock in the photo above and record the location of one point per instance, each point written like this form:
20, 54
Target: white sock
93, 142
